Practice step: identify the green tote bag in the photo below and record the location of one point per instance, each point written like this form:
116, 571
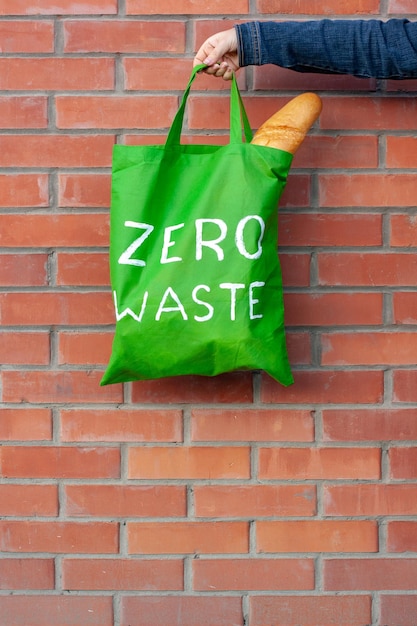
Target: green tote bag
195, 274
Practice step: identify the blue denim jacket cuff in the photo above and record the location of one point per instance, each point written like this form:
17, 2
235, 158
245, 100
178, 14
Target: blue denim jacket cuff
248, 44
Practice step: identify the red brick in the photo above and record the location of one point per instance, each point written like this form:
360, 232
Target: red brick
124, 36
295, 269
402, 536
65, 308
252, 425
253, 574
330, 230
24, 348
333, 309
83, 269
319, 463
318, 7
367, 190
84, 348
403, 463
26, 36
272, 77
23, 190
344, 152
122, 574
56, 610
125, 501
401, 6
405, 386
297, 192
28, 500
159, 611
73, 230
370, 500
29, 424
367, 348
369, 424
59, 537
188, 537
299, 347
404, 307
58, 387
255, 500
406, 85
58, 7
27, 574
115, 111
316, 536
369, 574
129, 424
343, 610
397, 609
84, 190
367, 269
56, 73
59, 462
56, 151
189, 462
326, 387
23, 112
401, 152
190, 7
403, 230
375, 113
234, 387
23, 270
164, 73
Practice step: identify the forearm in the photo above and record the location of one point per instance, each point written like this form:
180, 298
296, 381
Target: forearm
364, 48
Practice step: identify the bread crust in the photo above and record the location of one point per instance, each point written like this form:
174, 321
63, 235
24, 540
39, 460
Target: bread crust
287, 128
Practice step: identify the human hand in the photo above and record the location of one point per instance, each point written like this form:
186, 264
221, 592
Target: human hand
219, 53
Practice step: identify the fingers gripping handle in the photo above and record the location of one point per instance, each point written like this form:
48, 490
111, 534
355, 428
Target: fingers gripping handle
238, 117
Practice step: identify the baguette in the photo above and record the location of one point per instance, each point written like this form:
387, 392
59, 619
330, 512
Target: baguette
287, 128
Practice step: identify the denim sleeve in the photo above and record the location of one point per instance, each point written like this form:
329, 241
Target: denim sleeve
363, 48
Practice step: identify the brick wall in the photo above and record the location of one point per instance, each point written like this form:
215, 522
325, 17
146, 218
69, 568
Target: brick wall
203, 502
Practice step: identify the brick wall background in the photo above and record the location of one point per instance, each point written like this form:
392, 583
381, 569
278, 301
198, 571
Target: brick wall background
203, 502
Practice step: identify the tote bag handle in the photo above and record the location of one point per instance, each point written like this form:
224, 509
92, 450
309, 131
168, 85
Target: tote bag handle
238, 117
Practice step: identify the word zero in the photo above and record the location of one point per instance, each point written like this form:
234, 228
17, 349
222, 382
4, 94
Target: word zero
126, 258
